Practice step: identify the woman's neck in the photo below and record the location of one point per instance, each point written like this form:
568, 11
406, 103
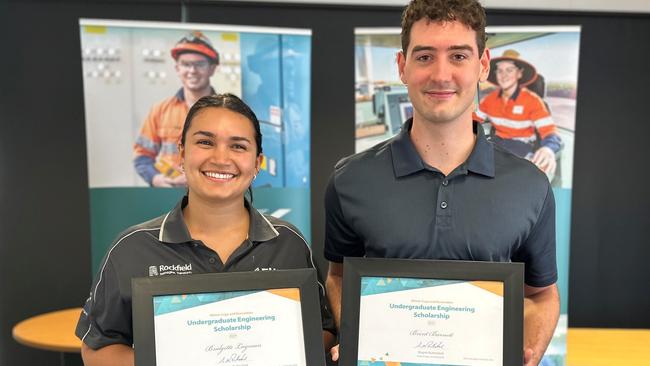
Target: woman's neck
214, 219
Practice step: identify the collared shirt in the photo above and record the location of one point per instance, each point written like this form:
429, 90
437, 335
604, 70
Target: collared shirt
386, 202
164, 246
518, 117
159, 136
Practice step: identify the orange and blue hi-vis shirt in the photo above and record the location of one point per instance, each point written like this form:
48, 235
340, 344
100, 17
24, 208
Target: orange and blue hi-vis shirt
517, 118
159, 137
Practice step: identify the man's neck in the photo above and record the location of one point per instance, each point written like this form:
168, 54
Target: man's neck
443, 146
509, 92
191, 96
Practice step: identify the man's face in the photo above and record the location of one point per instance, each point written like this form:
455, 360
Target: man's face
508, 74
441, 69
195, 71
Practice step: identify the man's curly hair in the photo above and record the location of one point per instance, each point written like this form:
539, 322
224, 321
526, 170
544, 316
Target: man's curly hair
468, 12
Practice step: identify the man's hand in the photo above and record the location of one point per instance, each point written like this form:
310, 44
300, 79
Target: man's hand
528, 357
544, 158
541, 312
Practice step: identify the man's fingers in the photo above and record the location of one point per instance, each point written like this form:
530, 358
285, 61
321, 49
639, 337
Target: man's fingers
528, 356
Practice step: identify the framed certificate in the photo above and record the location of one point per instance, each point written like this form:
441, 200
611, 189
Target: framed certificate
430, 312
268, 318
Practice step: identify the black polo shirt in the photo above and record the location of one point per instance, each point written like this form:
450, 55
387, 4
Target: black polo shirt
163, 246
386, 202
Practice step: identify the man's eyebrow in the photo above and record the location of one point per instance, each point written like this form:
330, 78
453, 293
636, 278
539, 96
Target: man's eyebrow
422, 48
461, 47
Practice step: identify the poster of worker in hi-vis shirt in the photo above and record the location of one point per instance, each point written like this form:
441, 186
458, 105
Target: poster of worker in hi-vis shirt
140, 79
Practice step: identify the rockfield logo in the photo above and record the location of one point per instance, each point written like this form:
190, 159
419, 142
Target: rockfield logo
153, 271
168, 269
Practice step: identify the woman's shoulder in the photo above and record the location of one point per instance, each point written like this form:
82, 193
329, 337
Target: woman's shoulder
148, 230
286, 230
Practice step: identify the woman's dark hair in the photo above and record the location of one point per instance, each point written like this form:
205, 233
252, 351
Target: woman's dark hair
232, 103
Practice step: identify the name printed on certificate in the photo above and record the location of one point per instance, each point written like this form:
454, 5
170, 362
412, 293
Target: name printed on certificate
424, 322
241, 328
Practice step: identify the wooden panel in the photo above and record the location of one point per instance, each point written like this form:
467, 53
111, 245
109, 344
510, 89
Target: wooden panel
607, 347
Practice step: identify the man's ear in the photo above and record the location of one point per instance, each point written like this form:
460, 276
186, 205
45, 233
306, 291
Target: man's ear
213, 68
401, 62
485, 65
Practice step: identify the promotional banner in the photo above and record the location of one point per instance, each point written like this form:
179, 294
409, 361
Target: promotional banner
135, 78
527, 106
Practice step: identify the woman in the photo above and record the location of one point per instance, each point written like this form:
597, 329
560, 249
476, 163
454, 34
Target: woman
213, 229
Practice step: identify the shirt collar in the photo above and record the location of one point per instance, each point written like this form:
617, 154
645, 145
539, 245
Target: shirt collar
514, 95
174, 231
406, 159
180, 94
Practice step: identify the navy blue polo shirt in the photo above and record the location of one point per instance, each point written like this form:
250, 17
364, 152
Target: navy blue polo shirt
385, 202
163, 246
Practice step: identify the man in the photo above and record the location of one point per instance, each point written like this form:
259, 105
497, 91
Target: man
518, 115
439, 189
156, 154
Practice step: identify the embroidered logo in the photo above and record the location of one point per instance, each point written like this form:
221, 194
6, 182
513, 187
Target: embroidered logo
265, 269
170, 269
153, 271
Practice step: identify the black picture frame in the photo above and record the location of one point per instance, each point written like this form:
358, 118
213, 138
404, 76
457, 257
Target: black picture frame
145, 289
511, 274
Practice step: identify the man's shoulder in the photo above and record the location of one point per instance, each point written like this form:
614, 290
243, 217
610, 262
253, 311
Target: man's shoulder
491, 96
367, 160
166, 104
530, 95
518, 169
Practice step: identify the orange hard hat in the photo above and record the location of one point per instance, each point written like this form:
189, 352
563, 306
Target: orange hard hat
196, 42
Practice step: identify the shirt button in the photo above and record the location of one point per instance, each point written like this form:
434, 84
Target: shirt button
445, 182
212, 260
443, 204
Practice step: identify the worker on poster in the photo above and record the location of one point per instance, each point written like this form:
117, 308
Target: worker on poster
519, 117
156, 148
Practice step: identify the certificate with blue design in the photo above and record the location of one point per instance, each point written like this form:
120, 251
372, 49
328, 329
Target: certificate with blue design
406, 312
269, 318
229, 328
415, 321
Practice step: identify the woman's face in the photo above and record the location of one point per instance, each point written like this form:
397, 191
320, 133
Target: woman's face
220, 155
